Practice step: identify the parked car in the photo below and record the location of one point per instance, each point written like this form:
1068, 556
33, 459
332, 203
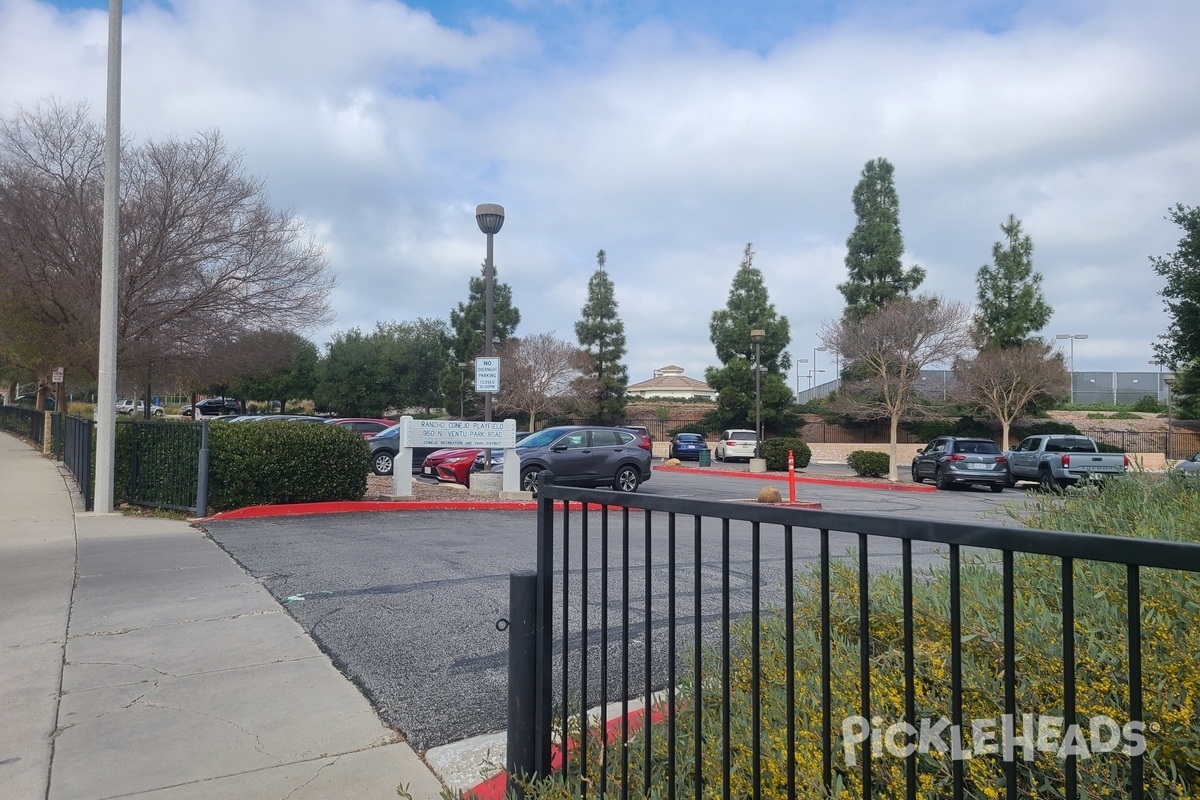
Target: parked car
687, 446
1190, 466
30, 401
456, 465
735, 443
1058, 460
214, 406
586, 455
384, 447
953, 460
642, 429
367, 426
138, 409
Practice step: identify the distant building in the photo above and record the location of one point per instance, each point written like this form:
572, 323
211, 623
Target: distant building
670, 382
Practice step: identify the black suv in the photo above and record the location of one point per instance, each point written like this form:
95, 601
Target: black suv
951, 460
214, 406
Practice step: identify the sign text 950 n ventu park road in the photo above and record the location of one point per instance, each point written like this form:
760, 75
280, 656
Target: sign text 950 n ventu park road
458, 433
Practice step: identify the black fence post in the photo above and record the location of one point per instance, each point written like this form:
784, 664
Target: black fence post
545, 618
202, 472
522, 678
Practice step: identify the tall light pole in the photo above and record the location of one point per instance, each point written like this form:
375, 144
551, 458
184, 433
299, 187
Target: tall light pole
490, 217
757, 337
799, 361
812, 378
1158, 393
110, 247
1072, 337
1170, 379
821, 349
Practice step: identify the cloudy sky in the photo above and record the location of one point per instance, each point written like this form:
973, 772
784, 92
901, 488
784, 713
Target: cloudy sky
670, 134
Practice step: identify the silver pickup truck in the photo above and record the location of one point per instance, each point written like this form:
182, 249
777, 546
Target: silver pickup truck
1059, 460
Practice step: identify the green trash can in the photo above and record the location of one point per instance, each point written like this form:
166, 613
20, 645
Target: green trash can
705, 458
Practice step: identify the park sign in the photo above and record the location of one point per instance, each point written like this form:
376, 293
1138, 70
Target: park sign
487, 374
458, 433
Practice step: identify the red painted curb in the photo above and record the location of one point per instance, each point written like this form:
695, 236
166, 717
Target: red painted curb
775, 476
347, 506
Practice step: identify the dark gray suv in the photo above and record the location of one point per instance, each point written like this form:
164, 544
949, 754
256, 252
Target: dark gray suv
586, 455
951, 460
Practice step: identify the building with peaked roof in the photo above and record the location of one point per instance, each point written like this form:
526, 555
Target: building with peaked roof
670, 382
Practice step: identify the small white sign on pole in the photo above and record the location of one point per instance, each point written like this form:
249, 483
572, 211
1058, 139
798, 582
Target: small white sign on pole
487, 374
56, 376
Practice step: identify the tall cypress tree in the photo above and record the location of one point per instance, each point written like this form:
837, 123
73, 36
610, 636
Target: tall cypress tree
876, 246
601, 333
748, 308
1011, 305
467, 324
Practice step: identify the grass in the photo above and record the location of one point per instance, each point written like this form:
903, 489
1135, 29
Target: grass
1141, 506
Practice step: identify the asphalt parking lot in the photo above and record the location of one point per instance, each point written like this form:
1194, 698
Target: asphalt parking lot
406, 603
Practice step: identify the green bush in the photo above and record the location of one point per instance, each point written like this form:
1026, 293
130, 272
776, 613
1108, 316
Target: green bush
926, 430
1049, 427
869, 463
1148, 405
775, 451
267, 463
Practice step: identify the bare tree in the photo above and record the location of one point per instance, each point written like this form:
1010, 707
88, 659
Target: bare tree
886, 352
1004, 381
537, 374
203, 255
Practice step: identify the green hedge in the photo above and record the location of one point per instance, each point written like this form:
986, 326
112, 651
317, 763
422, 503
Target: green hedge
267, 463
775, 451
869, 463
926, 430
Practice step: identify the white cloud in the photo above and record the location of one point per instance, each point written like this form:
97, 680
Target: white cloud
384, 128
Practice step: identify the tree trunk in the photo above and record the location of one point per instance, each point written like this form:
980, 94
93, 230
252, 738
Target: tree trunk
893, 473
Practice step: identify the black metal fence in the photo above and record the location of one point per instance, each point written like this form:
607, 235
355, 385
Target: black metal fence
77, 455
692, 606
158, 463
24, 422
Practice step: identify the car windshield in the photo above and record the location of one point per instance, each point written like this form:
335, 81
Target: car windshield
542, 438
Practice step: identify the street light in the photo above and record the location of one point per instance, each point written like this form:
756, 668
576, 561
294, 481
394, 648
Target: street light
799, 361
1168, 379
812, 378
490, 217
757, 337
462, 388
1072, 337
1158, 392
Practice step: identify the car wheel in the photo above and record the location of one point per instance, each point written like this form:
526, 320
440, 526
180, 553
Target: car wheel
1009, 480
1046, 479
158, 413
916, 478
382, 462
940, 480
627, 479
529, 480
997, 488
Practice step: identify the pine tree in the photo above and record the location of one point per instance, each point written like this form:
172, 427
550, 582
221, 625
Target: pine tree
1011, 306
876, 246
467, 324
749, 308
601, 333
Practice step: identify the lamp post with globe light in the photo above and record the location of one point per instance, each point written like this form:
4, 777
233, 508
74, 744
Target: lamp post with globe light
490, 217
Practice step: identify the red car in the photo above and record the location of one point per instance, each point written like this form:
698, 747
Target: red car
456, 465
363, 425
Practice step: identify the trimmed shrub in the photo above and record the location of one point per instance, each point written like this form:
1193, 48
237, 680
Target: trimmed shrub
775, 451
1148, 404
926, 430
266, 463
1040, 428
869, 463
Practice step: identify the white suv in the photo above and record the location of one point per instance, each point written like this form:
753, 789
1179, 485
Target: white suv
735, 443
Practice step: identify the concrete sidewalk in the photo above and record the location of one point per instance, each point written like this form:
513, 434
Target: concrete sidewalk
139, 660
